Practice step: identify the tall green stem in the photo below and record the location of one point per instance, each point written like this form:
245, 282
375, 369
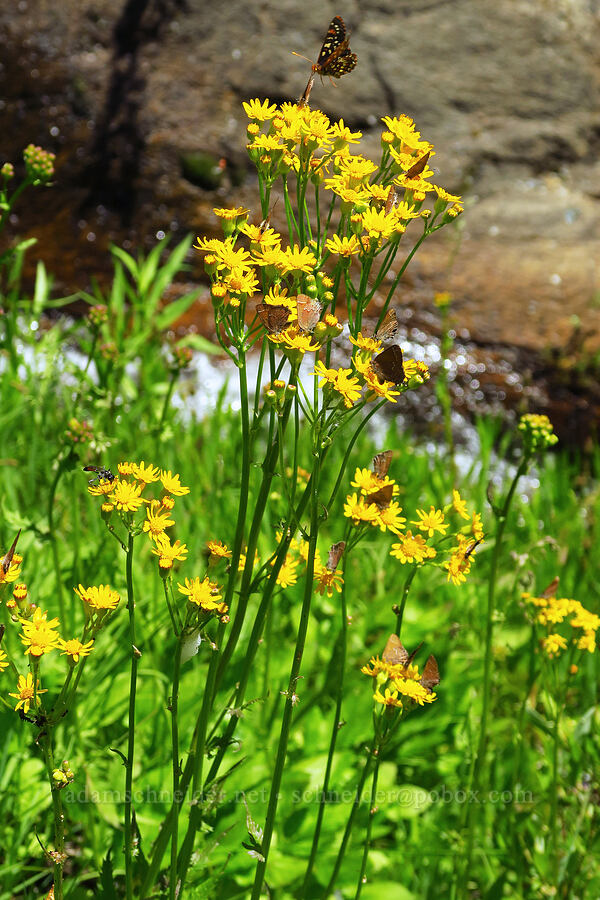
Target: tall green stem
362, 877
350, 823
476, 776
135, 654
174, 706
59, 855
293, 680
335, 730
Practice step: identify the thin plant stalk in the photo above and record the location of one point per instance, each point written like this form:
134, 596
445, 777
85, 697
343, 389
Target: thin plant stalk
367, 768
362, 876
174, 708
59, 855
135, 654
293, 680
335, 730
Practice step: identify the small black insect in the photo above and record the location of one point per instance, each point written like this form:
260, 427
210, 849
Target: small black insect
102, 474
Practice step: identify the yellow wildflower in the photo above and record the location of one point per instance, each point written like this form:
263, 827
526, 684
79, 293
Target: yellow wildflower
39, 635
26, 692
75, 649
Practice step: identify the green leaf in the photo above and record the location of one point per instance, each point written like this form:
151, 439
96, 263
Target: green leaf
202, 344
176, 309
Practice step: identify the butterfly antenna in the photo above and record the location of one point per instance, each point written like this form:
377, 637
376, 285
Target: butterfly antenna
302, 57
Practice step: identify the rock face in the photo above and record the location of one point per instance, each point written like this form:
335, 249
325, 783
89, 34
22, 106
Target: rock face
507, 91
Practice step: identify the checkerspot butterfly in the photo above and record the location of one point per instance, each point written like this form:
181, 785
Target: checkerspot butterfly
335, 58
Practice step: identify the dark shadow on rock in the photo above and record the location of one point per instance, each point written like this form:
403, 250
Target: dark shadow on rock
119, 141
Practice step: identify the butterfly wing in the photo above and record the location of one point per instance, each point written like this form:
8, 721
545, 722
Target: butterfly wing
395, 653
381, 463
309, 312
388, 329
335, 57
273, 316
335, 554
382, 497
388, 365
431, 674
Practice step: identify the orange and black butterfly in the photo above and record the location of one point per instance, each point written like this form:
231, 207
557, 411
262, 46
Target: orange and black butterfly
335, 58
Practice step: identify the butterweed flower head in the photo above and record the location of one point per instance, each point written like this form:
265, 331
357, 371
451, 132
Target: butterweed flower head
39, 164
39, 634
27, 694
537, 432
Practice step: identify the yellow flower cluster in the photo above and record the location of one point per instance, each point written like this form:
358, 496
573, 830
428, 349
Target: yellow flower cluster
537, 431
552, 611
398, 686
40, 635
373, 504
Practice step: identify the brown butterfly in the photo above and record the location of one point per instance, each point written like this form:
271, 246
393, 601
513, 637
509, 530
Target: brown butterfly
7, 560
335, 57
431, 674
303, 101
419, 166
266, 222
388, 365
381, 497
392, 200
381, 463
396, 654
273, 316
550, 591
309, 312
334, 556
388, 329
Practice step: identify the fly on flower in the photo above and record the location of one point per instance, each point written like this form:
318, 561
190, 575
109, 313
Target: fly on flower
388, 365
335, 58
6, 560
309, 312
102, 474
381, 463
431, 674
335, 554
273, 316
472, 548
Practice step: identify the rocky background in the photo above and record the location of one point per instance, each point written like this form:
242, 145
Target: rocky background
141, 102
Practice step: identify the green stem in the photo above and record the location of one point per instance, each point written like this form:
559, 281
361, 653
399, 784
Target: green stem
197, 757
293, 681
475, 784
335, 730
174, 706
166, 403
405, 590
131, 724
54, 543
350, 823
59, 855
362, 878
